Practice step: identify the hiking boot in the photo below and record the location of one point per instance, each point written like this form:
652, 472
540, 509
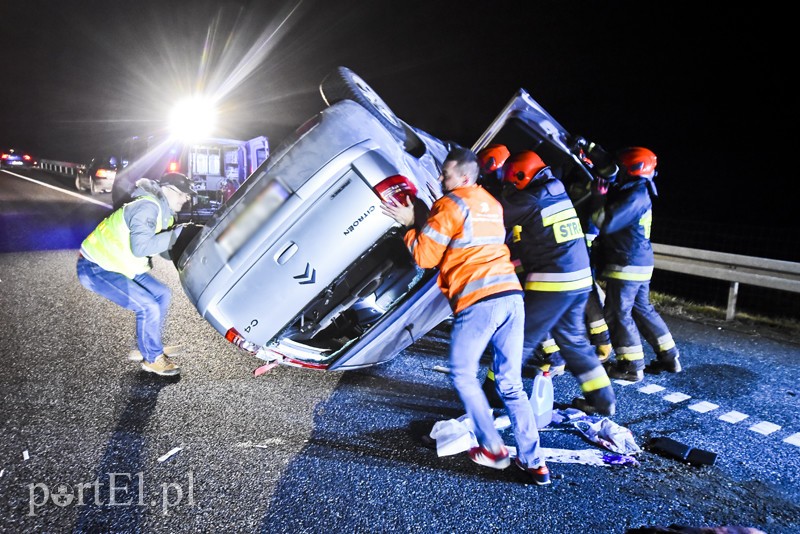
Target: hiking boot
588, 408
169, 350
496, 460
161, 366
670, 366
538, 475
603, 352
624, 370
489, 388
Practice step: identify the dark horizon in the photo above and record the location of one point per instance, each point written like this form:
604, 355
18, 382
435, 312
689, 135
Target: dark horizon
691, 82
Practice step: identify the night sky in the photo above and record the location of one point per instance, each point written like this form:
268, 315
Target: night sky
703, 84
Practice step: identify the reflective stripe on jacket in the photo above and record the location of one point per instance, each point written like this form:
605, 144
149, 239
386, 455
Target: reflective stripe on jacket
109, 245
625, 235
547, 238
464, 236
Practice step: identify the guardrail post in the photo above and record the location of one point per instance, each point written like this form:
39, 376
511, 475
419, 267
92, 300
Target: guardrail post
733, 292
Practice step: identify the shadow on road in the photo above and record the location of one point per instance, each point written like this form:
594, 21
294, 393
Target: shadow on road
124, 456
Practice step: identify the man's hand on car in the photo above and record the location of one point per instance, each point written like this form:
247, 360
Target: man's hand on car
402, 213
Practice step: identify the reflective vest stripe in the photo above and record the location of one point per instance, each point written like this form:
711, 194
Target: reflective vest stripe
559, 281
483, 283
637, 273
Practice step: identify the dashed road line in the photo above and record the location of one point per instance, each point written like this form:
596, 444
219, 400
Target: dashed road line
76, 195
764, 427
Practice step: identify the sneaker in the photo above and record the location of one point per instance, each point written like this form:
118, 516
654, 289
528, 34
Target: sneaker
590, 409
489, 388
169, 350
624, 370
670, 366
496, 460
603, 352
538, 475
161, 366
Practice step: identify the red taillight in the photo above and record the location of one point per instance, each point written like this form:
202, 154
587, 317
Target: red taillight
4, 156
236, 338
105, 173
173, 166
397, 187
26, 157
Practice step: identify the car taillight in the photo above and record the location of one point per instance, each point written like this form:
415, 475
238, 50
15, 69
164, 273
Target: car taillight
234, 337
26, 157
105, 173
4, 156
397, 187
173, 166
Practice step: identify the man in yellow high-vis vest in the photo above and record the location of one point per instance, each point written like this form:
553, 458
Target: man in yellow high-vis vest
115, 258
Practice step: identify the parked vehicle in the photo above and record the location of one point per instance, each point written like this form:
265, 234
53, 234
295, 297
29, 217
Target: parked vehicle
217, 167
98, 176
301, 267
16, 159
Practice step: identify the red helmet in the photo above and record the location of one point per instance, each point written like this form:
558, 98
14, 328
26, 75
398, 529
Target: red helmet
637, 161
520, 168
492, 157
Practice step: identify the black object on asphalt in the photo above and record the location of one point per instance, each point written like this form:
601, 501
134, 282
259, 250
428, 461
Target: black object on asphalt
670, 448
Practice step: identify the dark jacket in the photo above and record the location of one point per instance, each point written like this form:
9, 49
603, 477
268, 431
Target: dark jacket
546, 236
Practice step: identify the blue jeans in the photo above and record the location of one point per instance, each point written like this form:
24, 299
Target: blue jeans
144, 295
500, 322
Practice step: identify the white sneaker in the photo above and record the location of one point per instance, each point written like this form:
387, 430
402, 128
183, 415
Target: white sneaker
169, 350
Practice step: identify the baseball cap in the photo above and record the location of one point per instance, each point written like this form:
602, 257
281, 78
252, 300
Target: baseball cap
178, 181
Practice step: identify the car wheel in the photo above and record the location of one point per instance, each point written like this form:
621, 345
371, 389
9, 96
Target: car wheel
92, 187
344, 84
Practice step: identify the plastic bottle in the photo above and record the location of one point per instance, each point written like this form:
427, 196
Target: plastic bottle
542, 399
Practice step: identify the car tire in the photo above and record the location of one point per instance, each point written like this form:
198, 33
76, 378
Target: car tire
344, 84
78, 183
92, 187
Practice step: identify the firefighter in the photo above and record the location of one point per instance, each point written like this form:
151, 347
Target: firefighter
491, 159
627, 266
115, 258
464, 237
549, 241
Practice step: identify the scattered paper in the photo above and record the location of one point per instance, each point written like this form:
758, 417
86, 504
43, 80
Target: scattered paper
733, 417
167, 456
765, 427
652, 388
794, 439
676, 397
25, 455
703, 407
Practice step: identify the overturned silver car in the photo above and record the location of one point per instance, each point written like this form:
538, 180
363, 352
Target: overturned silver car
301, 267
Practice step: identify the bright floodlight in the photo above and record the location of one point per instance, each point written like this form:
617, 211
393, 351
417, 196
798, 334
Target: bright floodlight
192, 118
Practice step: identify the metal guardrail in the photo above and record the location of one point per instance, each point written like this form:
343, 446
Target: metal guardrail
64, 168
734, 268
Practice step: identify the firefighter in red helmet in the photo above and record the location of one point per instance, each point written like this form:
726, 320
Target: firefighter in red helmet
627, 265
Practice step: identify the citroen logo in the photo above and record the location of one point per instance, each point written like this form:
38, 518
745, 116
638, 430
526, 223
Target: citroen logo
307, 277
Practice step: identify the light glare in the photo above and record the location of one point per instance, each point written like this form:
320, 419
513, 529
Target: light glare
193, 118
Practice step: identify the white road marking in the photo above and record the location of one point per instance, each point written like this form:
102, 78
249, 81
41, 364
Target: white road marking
765, 427
794, 439
651, 388
703, 407
733, 417
71, 193
623, 382
677, 397
25, 455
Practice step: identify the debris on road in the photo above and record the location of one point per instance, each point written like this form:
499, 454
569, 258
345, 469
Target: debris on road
441, 369
168, 455
676, 450
25, 455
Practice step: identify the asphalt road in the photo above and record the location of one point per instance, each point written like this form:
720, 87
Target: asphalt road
298, 450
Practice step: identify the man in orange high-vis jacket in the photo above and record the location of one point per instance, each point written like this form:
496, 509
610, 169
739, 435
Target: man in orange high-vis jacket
464, 237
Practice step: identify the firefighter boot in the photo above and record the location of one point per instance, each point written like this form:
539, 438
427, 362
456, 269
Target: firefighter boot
668, 361
601, 402
632, 371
